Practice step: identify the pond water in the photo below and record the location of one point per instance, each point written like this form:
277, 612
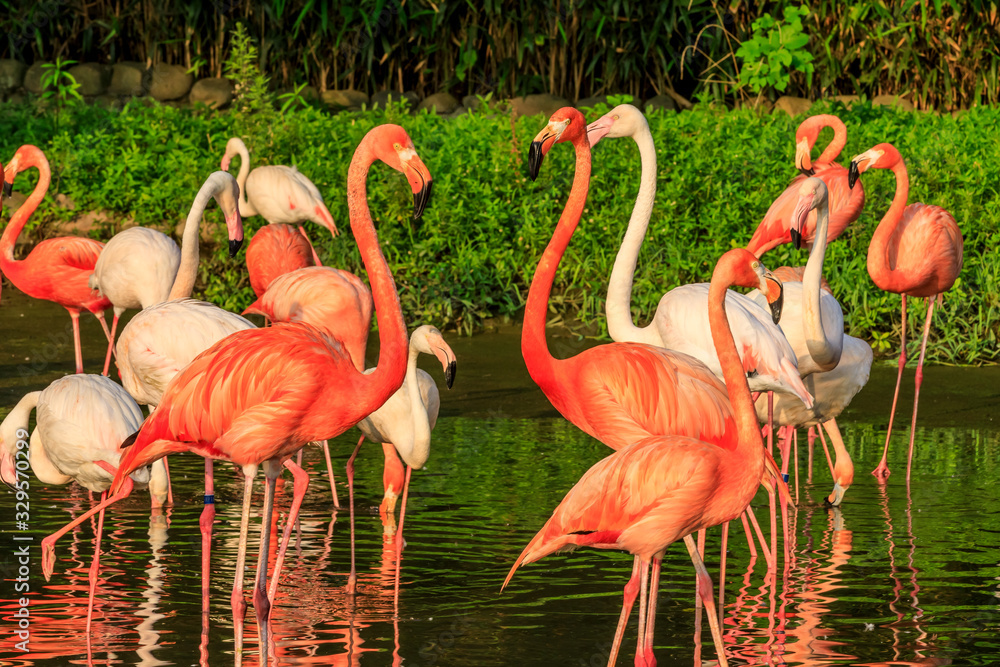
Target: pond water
896, 576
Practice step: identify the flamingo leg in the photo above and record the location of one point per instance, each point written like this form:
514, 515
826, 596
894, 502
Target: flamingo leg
239, 603
746, 529
170, 490
111, 339
882, 471
654, 585
261, 604
795, 438
706, 587
917, 382
826, 450
392, 483
329, 474
95, 566
300, 482
399, 533
75, 316
811, 434
631, 590
640, 659
205, 523
48, 544
722, 568
352, 578
768, 555
697, 581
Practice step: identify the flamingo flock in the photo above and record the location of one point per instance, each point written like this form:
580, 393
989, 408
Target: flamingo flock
684, 402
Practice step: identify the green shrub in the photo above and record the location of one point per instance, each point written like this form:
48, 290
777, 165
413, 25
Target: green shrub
472, 255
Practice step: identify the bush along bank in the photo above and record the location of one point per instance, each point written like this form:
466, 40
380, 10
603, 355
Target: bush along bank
471, 257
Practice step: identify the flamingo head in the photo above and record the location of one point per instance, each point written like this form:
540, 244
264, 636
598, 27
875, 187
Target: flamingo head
393, 146
567, 124
882, 156
8, 450
428, 340
227, 195
622, 121
27, 156
812, 195
234, 146
745, 270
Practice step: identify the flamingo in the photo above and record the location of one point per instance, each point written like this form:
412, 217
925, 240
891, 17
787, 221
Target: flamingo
813, 321
81, 421
646, 496
332, 300
280, 194
403, 426
915, 251
258, 396
276, 250
140, 267
56, 269
845, 202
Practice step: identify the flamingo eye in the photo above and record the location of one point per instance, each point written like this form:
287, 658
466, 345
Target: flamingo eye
755, 266
615, 117
398, 146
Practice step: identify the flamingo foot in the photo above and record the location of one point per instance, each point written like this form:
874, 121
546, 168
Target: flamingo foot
882, 472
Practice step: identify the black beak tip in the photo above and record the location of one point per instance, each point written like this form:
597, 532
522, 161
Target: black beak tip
421, 199
8, 189
808, 172
234, 246
449, 374
776, 307
852, 175
827, 504
796, 238
535, 159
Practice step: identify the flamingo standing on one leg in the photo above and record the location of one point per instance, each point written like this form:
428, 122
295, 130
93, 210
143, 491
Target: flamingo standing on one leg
81, 421
280, 194
846, 203
56, 269
259, 395
658, 490
140, 267
915, 251
403, 427
332, 300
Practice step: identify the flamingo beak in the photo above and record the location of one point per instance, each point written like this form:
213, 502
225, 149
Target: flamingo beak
853, 174
7, 473
8, 189
835, 498
446, 356
774, 300
599, 129
535, 156
421, 197
235, 226
803, 162
798, 221
449, 373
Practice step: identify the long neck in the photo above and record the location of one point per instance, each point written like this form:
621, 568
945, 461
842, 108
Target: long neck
534, 347
824, 352
393, 344
187, 272
750, 444
878, 257
20, 218
16, 419
618, 305
246, 208
420, 447
832, 150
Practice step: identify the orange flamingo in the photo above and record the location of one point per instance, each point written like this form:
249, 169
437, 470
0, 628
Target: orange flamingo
259, 395
274, 251
56, 269
916, 251
646, 496
779, 226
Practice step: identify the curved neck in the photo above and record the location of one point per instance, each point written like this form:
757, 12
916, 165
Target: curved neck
42, 465
878, 258
534, 347
618, 305
246, 209
187, 272
16, 419
421, 443
732, 367
832, 151
20, 218
393, 343
823, 352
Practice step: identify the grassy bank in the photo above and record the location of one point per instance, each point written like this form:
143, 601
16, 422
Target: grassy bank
473, 254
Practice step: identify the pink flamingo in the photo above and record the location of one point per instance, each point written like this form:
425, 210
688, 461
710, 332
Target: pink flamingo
56, 269
332, 300
846, 203
915, 251
278, 193
646, 496
81, 422
274, 251
259, 395
140, 267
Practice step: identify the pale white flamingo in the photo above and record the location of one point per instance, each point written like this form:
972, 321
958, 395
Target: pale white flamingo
140, 267
277, 193
81, 421
403, 426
